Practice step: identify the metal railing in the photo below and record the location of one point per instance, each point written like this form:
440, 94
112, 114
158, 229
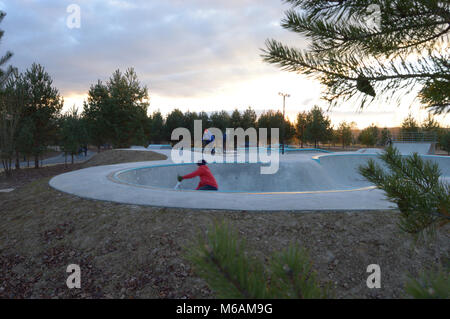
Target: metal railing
415, 137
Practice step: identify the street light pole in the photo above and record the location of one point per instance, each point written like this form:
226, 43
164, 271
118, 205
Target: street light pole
284, 95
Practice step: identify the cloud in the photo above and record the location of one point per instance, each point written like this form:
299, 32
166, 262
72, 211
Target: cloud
190, 54
179, 48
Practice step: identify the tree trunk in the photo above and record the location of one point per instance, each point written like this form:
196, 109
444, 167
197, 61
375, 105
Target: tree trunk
7, 165
72, 158
36, 161
437, 248
17, 161
303, 134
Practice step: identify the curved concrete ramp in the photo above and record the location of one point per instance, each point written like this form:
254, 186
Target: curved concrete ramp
295, 176
408, 148
303, 183
345, 166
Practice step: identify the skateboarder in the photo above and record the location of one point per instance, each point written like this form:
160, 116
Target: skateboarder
207, 180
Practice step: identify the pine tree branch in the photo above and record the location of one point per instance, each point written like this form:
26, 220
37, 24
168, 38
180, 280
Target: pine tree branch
293, 60
245, 293
344, 50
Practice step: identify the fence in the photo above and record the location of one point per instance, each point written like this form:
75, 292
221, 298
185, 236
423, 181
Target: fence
415, 137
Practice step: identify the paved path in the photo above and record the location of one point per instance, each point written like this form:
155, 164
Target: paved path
6, 190
61, 159
56, 160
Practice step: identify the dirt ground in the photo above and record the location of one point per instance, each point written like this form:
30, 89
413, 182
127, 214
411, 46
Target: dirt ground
26, 175
123, 156
129, 251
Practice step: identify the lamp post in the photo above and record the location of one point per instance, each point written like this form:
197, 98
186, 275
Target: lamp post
284, 95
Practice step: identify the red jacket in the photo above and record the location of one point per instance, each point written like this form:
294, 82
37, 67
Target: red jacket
206, 178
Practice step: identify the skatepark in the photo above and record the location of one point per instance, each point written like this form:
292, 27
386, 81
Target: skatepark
305, 181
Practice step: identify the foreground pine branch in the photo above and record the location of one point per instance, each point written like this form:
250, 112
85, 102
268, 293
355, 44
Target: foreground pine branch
430, 285
368, 50
221, 260
414, 185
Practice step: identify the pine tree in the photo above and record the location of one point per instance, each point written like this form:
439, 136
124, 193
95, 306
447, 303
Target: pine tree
300, 126
248, 118
14, 98
8, 113
222, 260
94, 111
204, 117
236, 119
410, 125
369, 136
344, 133
174, 120
431, 128
414, 185
272, 119
43, 108
127, 112
318, 126
116, 111
385, 136
444, 141
188, 119
4, 74
370, 48
73, 133
432, 284
220, 120
156, 127
25, 137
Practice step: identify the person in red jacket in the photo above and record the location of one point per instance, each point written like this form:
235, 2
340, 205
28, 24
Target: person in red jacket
207, 180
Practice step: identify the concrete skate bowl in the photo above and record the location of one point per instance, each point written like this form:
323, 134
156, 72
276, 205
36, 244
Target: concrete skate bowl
407, 148
329, 173
303, 183
338, 164
291, 177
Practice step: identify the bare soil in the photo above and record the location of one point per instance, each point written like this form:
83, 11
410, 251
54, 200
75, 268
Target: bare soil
129, 251
26, 175
110, 157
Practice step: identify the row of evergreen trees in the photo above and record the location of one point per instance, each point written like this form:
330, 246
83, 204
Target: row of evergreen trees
30, 108
410, 129
32, 118
115, 113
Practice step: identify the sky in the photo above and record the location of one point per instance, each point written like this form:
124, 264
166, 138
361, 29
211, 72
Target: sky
191, 54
